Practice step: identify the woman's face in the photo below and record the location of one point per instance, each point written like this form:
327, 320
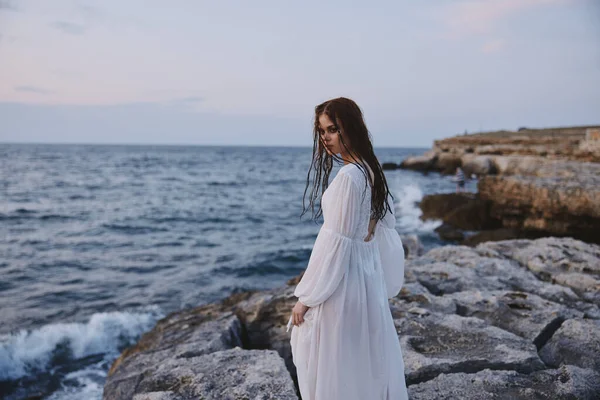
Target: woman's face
329, 135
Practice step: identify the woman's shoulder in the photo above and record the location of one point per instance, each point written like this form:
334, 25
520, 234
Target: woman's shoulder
350, 169
353, 173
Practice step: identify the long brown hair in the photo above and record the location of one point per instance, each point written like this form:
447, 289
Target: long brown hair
347, 117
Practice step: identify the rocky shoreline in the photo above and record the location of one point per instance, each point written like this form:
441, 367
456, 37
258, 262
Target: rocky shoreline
511, 312
516, 319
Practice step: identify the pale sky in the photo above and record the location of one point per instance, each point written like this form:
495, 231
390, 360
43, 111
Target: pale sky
251, 72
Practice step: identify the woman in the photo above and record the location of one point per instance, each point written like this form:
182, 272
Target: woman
344, 342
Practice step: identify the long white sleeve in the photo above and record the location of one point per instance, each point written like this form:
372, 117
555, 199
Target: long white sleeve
330, 257
391, 252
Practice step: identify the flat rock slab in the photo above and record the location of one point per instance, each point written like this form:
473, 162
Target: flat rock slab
224, 375
566, 261
524, 314
438, 343
576, 342
182, 335
567, 383
506, 265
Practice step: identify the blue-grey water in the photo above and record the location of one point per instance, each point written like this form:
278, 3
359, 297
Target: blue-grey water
97, 242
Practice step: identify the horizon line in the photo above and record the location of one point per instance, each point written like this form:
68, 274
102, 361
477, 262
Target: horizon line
186, 144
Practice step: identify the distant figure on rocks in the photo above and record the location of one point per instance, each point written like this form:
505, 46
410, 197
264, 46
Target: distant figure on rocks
460, 180
344, 342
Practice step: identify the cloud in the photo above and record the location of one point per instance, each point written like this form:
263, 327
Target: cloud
479, 17
32, 89
69, 27
493, 46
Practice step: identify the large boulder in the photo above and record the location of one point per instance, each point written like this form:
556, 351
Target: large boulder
188, 354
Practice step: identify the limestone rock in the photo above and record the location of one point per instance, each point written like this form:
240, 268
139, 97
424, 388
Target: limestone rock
461, 210
551, 143
496, 266
566, 261
478, 164
564, 207
265, 316
423, 162
416, 299
438, 343
228, 374
524, 314
496, 235
566, 383
576, 342
542, 167
468, 320
178, 336
446, 163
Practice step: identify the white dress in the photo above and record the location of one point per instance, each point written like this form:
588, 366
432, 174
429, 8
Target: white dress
347, 347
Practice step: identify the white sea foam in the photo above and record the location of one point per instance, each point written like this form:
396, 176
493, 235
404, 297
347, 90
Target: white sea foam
408, 212
28, 352
89, 385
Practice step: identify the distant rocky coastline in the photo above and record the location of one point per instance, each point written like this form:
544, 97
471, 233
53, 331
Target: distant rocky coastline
516, 319
531, 183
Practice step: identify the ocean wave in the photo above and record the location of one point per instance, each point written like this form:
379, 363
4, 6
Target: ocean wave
191, 220
225, 183
133, 230
281, 262
22, 214
408, 212
146, 269
254, 270
29, 352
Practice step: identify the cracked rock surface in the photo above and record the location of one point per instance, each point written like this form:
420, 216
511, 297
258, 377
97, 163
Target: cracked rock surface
501, 320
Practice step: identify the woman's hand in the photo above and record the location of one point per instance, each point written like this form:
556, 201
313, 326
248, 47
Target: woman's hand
298, 313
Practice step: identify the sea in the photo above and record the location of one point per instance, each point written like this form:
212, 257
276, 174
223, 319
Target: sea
98, 242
